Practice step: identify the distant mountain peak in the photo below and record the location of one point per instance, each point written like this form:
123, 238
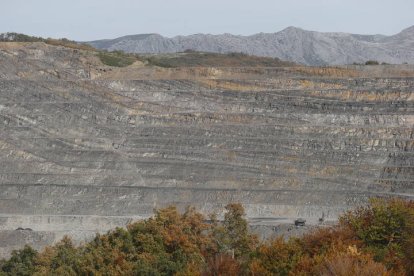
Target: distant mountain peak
293, 29
142, 36
291, 44
409, 30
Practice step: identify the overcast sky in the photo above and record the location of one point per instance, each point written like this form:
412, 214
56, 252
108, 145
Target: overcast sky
97, 19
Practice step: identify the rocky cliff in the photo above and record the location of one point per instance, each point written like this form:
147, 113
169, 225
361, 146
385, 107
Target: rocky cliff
85, 147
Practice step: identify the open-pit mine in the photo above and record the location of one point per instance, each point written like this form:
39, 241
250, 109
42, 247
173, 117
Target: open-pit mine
86, 147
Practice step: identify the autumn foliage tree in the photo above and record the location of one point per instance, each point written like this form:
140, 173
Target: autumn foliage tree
386, 229
376, 239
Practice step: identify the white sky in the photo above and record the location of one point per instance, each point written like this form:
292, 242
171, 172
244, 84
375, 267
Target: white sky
98, 19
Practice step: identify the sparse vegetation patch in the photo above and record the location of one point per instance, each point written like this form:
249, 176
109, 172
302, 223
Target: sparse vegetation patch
191, 58
16, 37
116, 58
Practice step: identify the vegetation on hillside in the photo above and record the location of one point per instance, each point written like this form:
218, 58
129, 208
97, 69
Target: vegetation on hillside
116, 58
188, 58
194, 59
376, 239
16, 37
371, 62
69, 44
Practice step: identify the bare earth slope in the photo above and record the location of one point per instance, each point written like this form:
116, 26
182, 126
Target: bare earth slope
291, 44
86, 147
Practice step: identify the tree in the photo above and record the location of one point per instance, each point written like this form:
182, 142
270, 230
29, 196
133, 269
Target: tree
386, 229
276, 257
21, 262
61, 259
233, 237
351, 262
376, 239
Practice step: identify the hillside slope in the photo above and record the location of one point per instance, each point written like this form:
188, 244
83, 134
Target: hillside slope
291, 44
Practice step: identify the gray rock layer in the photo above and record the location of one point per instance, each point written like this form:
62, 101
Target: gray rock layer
291, 44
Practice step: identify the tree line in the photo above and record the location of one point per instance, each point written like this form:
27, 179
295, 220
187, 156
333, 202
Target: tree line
377, 239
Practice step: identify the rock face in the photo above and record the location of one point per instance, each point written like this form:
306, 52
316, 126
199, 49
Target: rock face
291, 44
85, 148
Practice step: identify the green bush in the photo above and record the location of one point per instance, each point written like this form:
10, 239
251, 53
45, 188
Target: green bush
16, 37
21, 262
116, 58
372, 62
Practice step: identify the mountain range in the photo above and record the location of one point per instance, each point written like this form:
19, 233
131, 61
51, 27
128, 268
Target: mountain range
291, 44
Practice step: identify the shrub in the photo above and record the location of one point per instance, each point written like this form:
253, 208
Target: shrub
372, 62
116, 58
